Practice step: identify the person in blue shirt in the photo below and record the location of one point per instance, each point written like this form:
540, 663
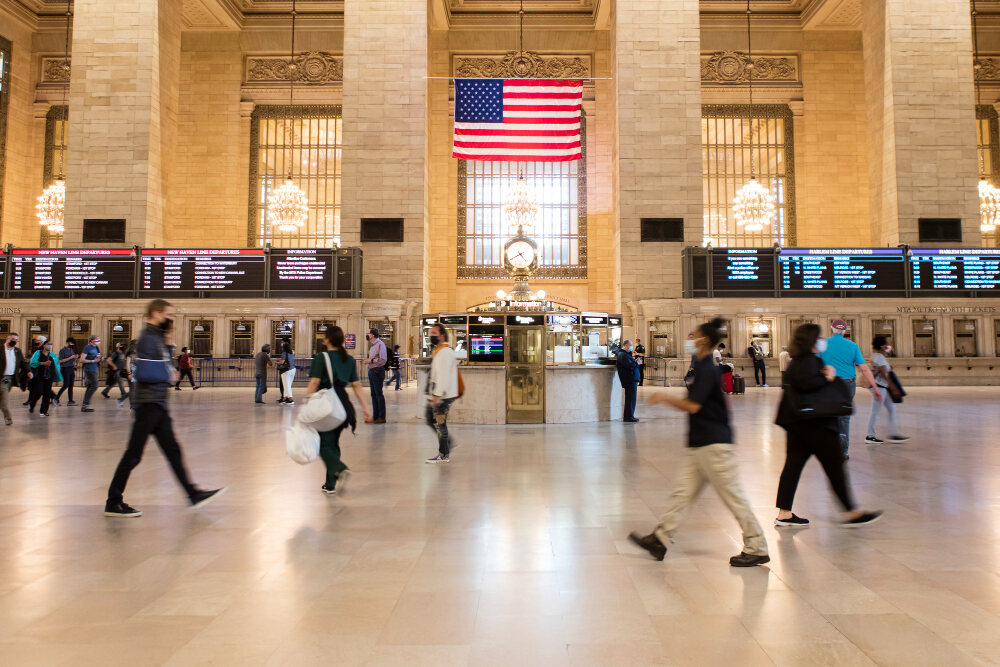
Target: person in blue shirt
628, 374
845, 357
91, 358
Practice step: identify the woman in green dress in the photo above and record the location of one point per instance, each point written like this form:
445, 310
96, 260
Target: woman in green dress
345, 373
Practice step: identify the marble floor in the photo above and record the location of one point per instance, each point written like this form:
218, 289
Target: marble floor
514, 554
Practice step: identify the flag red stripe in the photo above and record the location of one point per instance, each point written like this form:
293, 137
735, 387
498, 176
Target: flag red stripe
532, 96
518, 133
515, 144
541, 107
519, 158
542, 82
533, 121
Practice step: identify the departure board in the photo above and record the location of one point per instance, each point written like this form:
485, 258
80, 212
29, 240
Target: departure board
77, 272
955, 270
202, 272
746, 271
861, 271
301, 272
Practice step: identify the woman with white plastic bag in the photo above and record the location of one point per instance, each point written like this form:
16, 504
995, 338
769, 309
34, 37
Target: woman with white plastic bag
345, 373
286, 373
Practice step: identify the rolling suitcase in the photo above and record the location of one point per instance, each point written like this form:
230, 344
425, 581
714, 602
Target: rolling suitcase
739, 384
727, 383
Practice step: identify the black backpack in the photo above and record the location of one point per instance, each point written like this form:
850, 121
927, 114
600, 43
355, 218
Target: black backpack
390, 357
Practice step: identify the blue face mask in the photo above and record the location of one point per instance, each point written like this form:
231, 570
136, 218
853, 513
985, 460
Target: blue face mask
821, 345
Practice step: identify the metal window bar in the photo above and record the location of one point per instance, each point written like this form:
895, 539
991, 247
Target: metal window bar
240, 372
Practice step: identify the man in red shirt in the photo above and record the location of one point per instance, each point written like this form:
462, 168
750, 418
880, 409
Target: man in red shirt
184, 366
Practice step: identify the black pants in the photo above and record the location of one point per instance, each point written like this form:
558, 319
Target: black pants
150, 419
185, 372
759, 372
69, 377
630, 399
805, 440
40, 388
642, 374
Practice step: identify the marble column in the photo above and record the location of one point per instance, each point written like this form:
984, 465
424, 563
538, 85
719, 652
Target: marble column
384, 163
921, 117
657, 72
123, 101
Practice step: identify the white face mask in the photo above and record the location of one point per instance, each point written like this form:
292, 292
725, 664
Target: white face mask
821, 345
690, 348
887, 349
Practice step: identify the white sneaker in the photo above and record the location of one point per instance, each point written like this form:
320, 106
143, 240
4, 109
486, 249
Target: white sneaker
439, 459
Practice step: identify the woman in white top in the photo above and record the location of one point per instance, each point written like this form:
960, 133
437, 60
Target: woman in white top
881, 369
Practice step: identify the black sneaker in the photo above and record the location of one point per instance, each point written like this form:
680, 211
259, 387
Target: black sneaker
863, 520
71, 403
792, 521
86, 408
121, 509
197, 386
896, 439
650, 543
872, 440
328, 490
204, 497
748, 560
342, 478
177, 388
105, 394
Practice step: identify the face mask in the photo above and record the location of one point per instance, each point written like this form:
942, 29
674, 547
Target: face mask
435, 340
266, 348
12, 343
887, 349
821, 345
48, 348
166, 324
690, 348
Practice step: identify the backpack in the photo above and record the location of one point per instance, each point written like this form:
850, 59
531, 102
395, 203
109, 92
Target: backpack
461, 382
390, 358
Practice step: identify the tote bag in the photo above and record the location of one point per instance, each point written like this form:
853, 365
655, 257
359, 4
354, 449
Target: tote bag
323, 410
833, 400
302, 443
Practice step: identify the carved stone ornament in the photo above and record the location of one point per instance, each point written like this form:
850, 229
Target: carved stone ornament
521, 65
55, 70
988, 70
311, 68
731, 67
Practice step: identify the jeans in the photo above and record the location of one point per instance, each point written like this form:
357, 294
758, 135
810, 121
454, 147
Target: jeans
90, 382
42, 389
395, 376
802, 442
258, 395
376, 378
759, 372
69, 378
715, 465
630, 398
150, 419
890, 408
113, 379
844, 423
437, 418
329, 451
182, 373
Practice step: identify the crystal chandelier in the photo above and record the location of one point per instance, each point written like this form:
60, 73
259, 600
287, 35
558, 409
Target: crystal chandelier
520, 208
288, 206
989, 206
51, 206
754, 205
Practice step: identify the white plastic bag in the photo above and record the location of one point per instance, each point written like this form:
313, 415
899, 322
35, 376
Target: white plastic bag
323, 410
302, 443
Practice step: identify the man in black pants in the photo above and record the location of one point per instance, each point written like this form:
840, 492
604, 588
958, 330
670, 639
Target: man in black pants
154, 373
756, 353
67, 364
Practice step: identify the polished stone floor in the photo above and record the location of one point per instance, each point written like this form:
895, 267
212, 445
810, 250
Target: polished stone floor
514, 554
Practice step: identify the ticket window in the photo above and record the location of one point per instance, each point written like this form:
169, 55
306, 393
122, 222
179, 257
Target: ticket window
201, 335
319, 328
563, 345
595, 342
886, 328
119, 331
282, 331
615, 329
79, 331
425, 336
662, 339
966, 340
924, 338
386, 331
241, 339
37, 328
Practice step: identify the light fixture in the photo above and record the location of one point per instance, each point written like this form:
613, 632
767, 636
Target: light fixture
51, 206
989, 195
35, 327
76, 326
760, 327
241, 327
519, 207
753, 206
288, 206
118, 328
198, 328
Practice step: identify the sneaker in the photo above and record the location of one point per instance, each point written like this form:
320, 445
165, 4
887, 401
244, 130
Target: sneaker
197, 386
120, 509
863, 520
259, 402
328, 490
342, 478
289, 402
896, 439
792, 521
748, 560
204, 497
8, 422
105, 394
121, 403
177, 388
55, 402
86, 408
43, 414
650, 543
872, 440
380, 420
439, 459
71, 403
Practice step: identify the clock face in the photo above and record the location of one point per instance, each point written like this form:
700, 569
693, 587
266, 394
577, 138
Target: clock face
520, 254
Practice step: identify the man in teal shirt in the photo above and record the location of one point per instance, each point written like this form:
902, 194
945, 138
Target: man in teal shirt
845, 356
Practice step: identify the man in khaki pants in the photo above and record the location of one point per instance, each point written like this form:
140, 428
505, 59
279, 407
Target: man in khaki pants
13, 373
710, 457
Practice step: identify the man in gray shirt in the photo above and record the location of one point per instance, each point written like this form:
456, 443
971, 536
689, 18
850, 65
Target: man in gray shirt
376, 375
262, 361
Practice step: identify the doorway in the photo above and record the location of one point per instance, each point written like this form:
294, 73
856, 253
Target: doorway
526, 375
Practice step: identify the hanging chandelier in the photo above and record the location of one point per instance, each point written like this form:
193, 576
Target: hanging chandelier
288, 206
51, 207
754, 205
520, 208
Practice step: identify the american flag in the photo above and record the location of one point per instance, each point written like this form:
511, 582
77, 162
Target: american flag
517, 119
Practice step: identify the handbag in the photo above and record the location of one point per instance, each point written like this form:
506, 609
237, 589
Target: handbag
832, 400
284, 366
323, 410
302, 443
895, 388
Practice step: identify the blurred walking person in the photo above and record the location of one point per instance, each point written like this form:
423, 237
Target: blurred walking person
45, 371
13, 373
91, 358
67, 366
885, 381
184, 369
443, 388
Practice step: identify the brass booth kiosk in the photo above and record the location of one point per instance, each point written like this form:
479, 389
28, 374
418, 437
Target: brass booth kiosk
532, 366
